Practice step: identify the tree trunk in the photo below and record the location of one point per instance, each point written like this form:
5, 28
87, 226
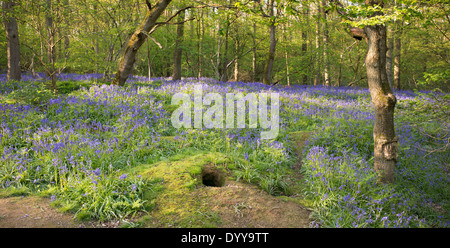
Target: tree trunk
137, 39
13, 45
305, 40
200, 44
66, 34
326, 67
224, 61
286, 55
254, 53
389, 53
236, 59
267, 78
398, 50
318, 47
149, 64
51, 50
385, 140
176, 75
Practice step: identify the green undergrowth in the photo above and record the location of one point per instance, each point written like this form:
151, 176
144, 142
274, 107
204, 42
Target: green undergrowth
178, 177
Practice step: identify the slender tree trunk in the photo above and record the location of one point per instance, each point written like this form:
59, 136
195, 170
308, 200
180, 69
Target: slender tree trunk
236, 59
200, 44
397, 52
286, 57
305, 40
96, 41
326, 67
219, 48
267, 78
254, 53
224, 61
137, 39
318, 47
51, 50
13, 45
192, 26
339, 78
385, 140
149, 65
66, 34
176, 75
389, 53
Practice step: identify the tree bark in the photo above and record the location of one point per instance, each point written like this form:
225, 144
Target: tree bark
254, 53
223, 63
389, 53
385, 140
397, 52
178, 53
149, 64
13, 45
326, 67
218, 53
267, 78
200, 44
236, 57
51, 46
318, 47
66, 34
286, 55
305, 40
137, 39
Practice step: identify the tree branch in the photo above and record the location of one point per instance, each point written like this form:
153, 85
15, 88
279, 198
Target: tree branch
149, 4
175, 23
340, 9
355, 32
167, 21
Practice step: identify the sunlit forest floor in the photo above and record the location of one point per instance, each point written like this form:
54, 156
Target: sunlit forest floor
110, 156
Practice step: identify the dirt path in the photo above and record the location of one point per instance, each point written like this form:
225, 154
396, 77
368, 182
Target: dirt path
241, 205
23, 212
36, 212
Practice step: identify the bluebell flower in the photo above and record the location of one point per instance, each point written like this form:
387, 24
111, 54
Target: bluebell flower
97, 172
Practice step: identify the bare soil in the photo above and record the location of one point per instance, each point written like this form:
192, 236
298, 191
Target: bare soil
23, 212
242, 205
36, 212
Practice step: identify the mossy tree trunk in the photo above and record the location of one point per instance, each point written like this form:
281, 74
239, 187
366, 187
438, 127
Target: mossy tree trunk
137, 39
385, 140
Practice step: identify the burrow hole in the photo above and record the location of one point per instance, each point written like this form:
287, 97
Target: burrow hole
212, 177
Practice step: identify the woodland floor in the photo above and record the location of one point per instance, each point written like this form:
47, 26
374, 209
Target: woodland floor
235, 205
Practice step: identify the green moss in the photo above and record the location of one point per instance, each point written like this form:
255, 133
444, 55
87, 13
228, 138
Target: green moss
176, 203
